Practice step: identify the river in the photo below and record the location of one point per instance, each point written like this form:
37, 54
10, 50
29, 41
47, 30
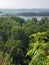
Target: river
30, 17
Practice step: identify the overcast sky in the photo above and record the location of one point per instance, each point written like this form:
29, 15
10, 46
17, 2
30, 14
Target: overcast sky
16, 4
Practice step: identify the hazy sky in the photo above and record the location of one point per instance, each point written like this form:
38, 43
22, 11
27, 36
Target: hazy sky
16, 4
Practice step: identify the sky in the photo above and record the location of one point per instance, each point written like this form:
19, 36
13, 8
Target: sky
21, 4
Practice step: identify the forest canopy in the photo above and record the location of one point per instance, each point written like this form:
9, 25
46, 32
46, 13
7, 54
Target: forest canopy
24, 42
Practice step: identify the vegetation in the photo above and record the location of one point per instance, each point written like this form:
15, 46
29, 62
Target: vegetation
24, 42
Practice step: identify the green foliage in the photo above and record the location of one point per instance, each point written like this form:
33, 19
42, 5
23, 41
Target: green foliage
18, 34
1, 45
5, 59
6, 27
11, 44
38, 49
24, 42
20, 20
